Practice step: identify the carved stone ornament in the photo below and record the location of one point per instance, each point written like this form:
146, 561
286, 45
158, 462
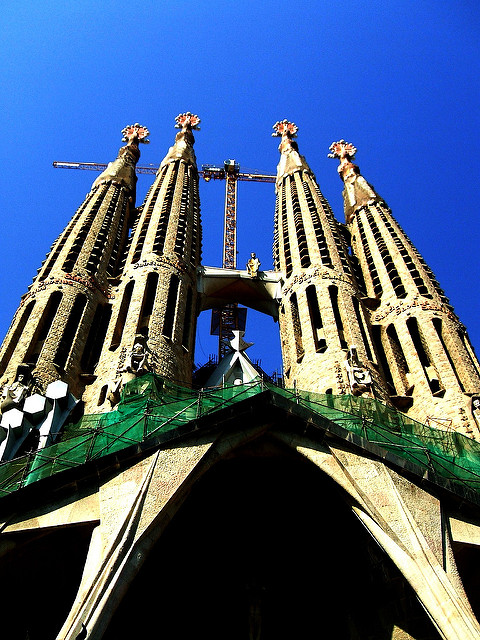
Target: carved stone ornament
342, 149
187, 121
285, 128
359, 378
135, 133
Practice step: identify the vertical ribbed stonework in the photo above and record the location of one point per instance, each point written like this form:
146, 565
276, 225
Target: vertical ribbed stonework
430, 365
157, 295
325, 339
58, 328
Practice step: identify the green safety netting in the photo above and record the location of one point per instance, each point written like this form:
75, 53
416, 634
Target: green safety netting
151, 407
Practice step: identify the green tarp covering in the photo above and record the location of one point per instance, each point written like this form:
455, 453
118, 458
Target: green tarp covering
153, 408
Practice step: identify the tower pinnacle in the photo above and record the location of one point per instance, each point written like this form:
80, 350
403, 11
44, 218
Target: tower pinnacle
135, 133
183, 146
357, 192
290, 159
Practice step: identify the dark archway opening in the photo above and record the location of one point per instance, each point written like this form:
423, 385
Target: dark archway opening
266, 547
40, 572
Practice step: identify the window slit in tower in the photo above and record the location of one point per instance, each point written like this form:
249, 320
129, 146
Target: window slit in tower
43, 327
77, 245
182, 217
68, 337
96, 336
286, 239
316, 319
386, 257
384, 363
187, 322
419, 282
424, 357
148, 303
372, 269
400, 362
122, 316
437, 323
171, 306
361, 326
60, 242
102, 237
297, 327
276, 239
114, 256
333, 292
161, 233
151, 199
195, 251
317, 226
426, 268
299, 227
16, 335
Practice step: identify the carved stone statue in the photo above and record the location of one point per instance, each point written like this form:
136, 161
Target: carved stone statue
13, 395
253, 265
136, 363
476, 409
359, 377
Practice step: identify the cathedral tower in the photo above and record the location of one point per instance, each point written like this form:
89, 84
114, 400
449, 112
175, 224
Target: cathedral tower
157, 290
326, 344
59, 327
431, 369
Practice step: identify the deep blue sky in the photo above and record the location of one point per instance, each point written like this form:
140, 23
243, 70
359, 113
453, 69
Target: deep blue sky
397, 79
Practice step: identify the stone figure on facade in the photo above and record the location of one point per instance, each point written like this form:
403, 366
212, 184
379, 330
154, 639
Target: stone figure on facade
14, 394
359, 378
253, 265
476, 409
136, 364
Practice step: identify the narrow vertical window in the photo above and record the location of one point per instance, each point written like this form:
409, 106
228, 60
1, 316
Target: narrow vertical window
122, 316
361, 325
423, 355
187, 322
171, 307
16, 335
316, 319
96, 337
437, 323
70, 330
384, 362
333, 291
297, 326
43, 327
148, 302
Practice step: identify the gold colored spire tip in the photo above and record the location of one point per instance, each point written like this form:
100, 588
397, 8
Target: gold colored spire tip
187, 121
342, 150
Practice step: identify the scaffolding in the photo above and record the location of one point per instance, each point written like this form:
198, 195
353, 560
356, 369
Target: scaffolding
155, 411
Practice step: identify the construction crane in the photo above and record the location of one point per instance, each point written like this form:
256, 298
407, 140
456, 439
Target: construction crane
229, 318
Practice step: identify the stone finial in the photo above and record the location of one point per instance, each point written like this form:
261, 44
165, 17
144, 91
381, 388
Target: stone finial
285, 128
187, 121
345, 152
357, 191
342, 149
135, 133
184, 140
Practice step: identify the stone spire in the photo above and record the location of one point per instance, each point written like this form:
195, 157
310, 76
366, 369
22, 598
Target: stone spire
290, 159
184, 141
155, 300
122, 170
427, 358
322, 314
357, 191
59, 327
